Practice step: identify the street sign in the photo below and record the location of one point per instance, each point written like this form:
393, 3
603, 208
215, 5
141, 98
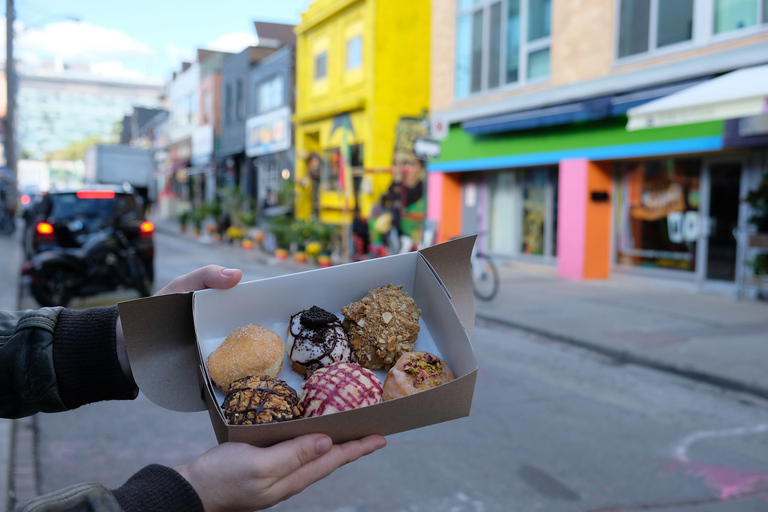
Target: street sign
426, 148
438, 128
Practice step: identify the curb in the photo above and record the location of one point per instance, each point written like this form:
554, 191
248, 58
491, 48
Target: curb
626, 357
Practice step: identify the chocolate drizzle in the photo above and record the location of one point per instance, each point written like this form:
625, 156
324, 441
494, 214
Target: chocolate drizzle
318, 341
260, 399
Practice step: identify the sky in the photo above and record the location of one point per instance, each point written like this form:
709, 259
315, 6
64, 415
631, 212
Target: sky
141, 38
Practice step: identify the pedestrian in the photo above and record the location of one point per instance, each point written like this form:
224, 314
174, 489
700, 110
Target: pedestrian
57, 359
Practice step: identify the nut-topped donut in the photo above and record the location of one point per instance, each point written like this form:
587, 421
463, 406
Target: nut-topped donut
382, 326
414, 372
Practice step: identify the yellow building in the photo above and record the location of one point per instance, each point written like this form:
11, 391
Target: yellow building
363, 64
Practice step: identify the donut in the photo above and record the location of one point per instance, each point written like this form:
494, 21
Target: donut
381, 326
339, 387
248, 350
316, 339
414, 372
260, 399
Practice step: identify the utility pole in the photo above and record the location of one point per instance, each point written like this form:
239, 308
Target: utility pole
10, 114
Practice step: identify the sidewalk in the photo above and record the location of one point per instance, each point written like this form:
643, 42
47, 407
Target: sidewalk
10, 268
707, 337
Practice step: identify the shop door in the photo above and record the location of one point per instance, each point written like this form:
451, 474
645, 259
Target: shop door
724, 191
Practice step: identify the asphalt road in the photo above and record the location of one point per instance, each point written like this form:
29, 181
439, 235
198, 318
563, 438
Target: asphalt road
552, 428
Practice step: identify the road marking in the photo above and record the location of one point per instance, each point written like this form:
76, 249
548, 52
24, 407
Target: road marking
730, 482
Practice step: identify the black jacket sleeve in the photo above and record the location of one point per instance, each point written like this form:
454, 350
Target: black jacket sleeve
56, 359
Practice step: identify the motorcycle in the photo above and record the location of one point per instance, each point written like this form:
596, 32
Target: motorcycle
105, 262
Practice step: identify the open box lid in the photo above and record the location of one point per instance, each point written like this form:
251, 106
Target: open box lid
162, 347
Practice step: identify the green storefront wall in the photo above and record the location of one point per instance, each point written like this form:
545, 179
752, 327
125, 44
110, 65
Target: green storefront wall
605, 139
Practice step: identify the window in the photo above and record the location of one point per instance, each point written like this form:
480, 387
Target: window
228, 103
270, 94
500, 42
240, 99
354, 53
648, 25
321, 66
657, 224
737, 14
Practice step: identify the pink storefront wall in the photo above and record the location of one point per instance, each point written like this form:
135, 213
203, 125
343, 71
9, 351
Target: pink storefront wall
572, 218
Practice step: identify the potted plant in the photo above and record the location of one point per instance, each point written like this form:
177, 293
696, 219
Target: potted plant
184, 218
758, 202
197, 217
283, 231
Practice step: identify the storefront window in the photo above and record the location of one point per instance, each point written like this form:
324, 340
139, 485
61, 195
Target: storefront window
522, 211
331, 164
658, 214
534, 191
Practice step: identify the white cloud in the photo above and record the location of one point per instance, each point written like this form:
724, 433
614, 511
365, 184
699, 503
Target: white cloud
114, 69
233, 43
72, 40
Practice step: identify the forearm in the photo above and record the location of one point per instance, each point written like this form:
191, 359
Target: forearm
55, 359
153, 489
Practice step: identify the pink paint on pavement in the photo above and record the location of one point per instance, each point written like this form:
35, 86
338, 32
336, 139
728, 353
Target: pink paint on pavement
435, 195
729, 482
572, 218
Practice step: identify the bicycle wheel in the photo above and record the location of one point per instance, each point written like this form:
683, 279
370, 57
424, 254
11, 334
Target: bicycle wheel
485, 278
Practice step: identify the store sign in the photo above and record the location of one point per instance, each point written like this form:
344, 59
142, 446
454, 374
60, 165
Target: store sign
202, 144
268, 133
753, 125
683, 227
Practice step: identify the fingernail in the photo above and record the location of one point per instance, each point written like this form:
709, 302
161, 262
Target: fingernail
323, 445
228, 271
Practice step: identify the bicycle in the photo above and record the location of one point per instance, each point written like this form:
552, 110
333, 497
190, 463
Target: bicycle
485, 276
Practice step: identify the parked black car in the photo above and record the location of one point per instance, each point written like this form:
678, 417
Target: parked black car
68, 218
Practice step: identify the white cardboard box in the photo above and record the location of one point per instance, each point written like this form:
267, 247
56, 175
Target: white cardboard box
169, 337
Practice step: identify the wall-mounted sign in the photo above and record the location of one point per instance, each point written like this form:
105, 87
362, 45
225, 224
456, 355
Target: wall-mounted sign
202, 144
753, 125
268, 133
425, 148
438, 128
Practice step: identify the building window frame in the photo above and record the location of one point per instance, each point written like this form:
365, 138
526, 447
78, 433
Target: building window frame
321, 66
702, 32
357, 54
273, 91
466, 15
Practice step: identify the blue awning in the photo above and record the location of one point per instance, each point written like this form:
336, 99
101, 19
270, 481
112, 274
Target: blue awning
566, 113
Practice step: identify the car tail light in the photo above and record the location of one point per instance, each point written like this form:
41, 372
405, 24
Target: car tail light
146, 229
43, 228
95, 194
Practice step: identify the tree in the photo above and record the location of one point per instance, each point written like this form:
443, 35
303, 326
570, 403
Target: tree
76, 150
